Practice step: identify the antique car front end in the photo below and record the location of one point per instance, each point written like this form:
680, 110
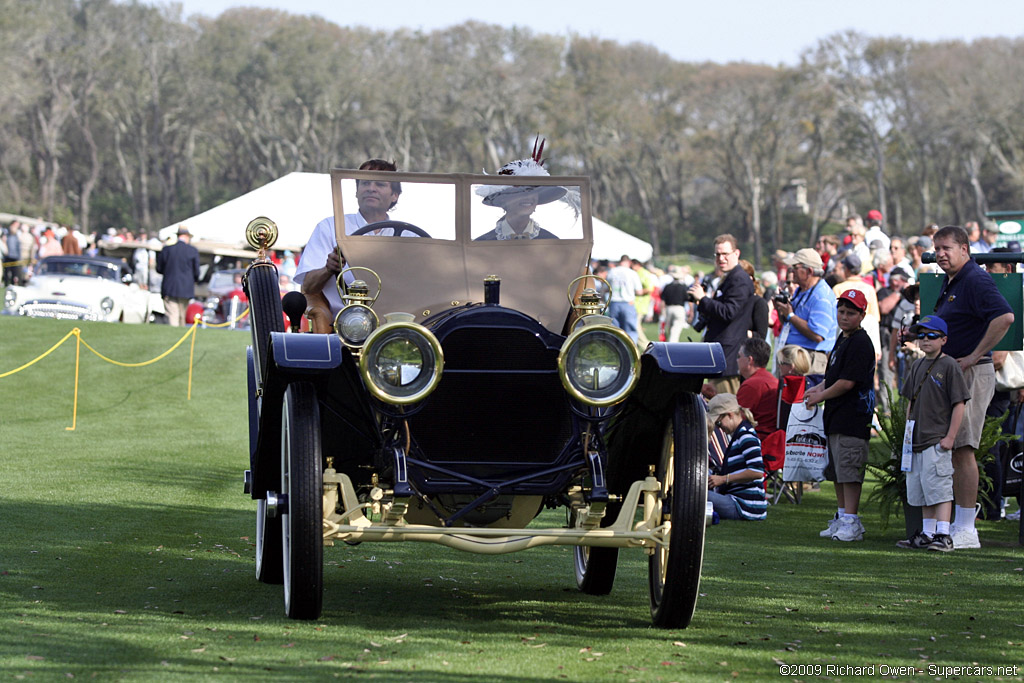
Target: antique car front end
467, 387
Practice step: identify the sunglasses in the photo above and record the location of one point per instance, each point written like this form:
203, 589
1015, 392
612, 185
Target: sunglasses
930, 335
718, 422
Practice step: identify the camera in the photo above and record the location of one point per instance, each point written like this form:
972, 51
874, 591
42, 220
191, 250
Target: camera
905, 334
782, 298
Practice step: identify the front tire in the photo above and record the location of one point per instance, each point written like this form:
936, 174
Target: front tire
302, 545
682, 469
265, 312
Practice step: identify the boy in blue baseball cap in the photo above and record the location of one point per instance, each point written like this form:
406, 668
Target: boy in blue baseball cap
936, 391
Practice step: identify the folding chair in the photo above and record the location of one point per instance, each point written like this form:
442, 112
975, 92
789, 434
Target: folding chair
773, 453
773, 449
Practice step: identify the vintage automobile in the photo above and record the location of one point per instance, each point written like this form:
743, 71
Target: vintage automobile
468, 385
225, 302
82, 288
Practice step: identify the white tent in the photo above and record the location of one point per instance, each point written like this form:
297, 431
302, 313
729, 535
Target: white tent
298, 201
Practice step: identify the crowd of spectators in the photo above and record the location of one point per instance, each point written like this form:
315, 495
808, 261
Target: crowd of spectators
782, 324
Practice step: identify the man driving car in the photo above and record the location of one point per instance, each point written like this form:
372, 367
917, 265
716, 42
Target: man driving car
320, 263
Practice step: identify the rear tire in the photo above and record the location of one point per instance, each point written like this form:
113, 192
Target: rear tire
594, 567
269, 561
302, 472
682, 469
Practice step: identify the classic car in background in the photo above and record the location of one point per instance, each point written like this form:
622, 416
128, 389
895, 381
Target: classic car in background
82, 288
225, 301
468, 384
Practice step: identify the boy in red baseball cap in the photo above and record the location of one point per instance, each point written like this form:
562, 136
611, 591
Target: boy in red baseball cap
849, 397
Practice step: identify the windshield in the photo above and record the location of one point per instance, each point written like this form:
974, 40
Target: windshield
532, 232
107, 271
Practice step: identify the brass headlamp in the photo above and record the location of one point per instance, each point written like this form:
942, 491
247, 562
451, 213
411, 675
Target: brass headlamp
356, 320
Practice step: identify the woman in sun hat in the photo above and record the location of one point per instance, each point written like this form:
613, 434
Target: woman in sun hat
736, 486
519, 201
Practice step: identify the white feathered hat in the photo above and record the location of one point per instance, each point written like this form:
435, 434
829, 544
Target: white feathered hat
496, 195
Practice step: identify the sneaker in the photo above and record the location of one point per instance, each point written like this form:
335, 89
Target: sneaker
919, 541
965, 538
1013, 516
942, 543
849, 530
833, 524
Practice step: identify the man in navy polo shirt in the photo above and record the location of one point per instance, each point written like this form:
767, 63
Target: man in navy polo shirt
977, 316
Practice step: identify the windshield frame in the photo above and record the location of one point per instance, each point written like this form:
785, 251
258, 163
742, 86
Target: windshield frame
423, 276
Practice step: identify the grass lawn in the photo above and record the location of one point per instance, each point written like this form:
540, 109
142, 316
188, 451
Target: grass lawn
127, 554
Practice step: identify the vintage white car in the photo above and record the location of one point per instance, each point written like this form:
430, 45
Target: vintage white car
82, 288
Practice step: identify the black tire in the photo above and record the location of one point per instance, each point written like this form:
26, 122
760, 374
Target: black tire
269, 565
265, 312
269, 561
682, 469
302, 544
594, 567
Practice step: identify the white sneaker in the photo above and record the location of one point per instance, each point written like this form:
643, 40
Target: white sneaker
1013, 516
849, 530
833, 525
965, 538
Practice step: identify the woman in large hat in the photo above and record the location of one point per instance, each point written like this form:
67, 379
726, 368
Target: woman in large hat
519, 202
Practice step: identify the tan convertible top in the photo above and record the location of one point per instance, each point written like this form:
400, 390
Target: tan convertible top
425, 275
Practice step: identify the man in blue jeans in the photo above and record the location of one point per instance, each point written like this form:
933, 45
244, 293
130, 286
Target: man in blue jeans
626, 287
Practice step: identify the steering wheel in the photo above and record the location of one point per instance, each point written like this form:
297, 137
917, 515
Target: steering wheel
398, 226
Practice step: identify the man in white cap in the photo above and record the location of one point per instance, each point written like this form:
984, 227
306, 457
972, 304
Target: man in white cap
810, 317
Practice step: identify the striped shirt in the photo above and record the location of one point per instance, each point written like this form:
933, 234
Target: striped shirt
744, 453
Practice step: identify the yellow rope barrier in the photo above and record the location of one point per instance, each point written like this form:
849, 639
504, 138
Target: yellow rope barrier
23, 262
229, 322
163, 355
44, 355
79, 343
74, 404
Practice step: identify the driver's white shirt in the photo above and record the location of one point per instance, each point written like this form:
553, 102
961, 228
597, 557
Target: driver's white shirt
321, 243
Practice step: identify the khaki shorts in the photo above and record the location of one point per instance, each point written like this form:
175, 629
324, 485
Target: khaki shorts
847, 456
725, 385
930, 479
981, 382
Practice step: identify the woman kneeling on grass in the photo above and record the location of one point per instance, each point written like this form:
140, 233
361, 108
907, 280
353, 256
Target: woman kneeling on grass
737, 485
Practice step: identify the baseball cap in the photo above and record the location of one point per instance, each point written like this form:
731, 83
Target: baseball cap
805, 257
930, 322
874, 215
720, 405
852, 262
900, 272
855, 298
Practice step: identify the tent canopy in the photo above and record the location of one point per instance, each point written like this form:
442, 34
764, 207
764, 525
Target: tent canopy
298, 201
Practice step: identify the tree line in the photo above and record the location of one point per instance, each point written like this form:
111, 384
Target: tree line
122, 113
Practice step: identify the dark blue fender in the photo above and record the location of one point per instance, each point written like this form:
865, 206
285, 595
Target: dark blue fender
318, 352
688, 358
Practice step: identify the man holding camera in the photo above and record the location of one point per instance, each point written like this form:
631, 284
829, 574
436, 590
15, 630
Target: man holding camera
728, 312
810, 317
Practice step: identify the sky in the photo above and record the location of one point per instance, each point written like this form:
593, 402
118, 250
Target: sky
766, 31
